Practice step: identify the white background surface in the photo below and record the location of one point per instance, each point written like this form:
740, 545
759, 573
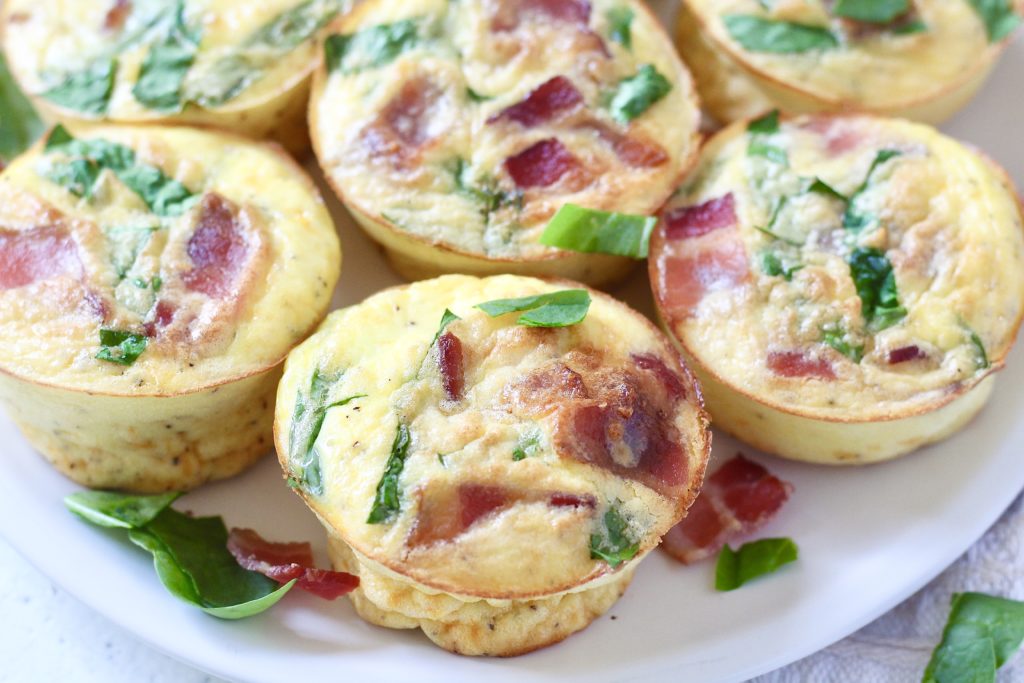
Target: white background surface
47, 635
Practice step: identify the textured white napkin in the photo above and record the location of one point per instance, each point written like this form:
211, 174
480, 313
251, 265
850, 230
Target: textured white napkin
896, 648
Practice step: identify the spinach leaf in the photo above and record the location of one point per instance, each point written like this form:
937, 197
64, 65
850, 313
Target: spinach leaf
166, 64
592, 231
295, 25
871, 11
999, 17
20, 126
979, 347
766, 125
776, 265
77, 176
118, 510
982, 633
638, 93
819, 186
855, 218
757, 34
307, 421
485, 192
876, 286
528, 445
387, 502
164, 195
87, 91
837, 338
620, 22
771, 229
759, 129
371, 47
916, 26
736, 567
447, 318
557, 309
120, 346
614, 544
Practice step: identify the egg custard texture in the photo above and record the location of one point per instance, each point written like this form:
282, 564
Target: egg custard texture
242, 66
845, 286
151, 282
491, 483
454, 131
918, 59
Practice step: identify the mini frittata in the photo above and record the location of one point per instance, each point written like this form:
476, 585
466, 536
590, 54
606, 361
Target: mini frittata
240, 66
151, 282
917, 59
453, 131
845, 286
492, 477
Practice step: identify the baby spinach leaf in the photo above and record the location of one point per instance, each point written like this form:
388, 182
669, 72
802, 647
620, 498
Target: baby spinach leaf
736, 567
87, 91
757, 34
837, 338
871, 11
20, 126
614, 544
164, 195
447, 318
528, 445
771, 229
620, 22
120, 346
999, 17
766, 125
77, 176
485, 191
875, 280
118, 510
915, 26
979, 347
982, 633
557, 309
819, 186
778, 265
371, 47
166, 64
758, 147
592, 231
855, 218
295, 25
387, 502
638, 93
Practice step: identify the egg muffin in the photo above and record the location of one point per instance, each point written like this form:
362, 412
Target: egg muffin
845, 286
454, 131
240, 66
151, 282
917, 59
492, 457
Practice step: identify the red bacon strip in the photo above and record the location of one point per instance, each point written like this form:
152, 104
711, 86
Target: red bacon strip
28, 256
737, 500
544, 103
450, 362
632, 150
542, 164
283, 562
218, 249
799, 364
511, 13
403, 126
670, 380
685, 280
695, 221
117, 14
906, 354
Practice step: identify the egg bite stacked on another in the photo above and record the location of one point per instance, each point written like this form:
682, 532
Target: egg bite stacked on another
454, 131
240, 66
845, 287
151, 282
491, 483
917, 59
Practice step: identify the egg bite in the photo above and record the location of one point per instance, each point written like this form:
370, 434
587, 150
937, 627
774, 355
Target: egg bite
917, 59
151, 282
846, 287
491, 481
454, 131
243, 67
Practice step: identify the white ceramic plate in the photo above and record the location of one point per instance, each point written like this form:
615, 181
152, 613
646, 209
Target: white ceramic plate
868, 539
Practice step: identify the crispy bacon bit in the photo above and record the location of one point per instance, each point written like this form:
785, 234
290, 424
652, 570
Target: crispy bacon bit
445, 513
27, 256
511, 13
283, 562
117, 14
544, 102
906, 354
738, 499
542, 164
450, 362
695, 221
799, 364
670, 380
96, 304
218, 249
685, 280
403, 126
632, 150
160, 317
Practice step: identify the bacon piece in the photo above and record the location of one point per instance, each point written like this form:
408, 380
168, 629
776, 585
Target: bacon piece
631, 150
542, 164
569, 500
670, 380
544, 103
117, 14
544, 390
685, 280
799, 364
450, 362
737, 500
695, 221
218, 249
906, 354
28, 256
511, 13
283, 562
403, 127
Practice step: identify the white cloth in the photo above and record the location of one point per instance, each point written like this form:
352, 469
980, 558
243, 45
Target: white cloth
896, 648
